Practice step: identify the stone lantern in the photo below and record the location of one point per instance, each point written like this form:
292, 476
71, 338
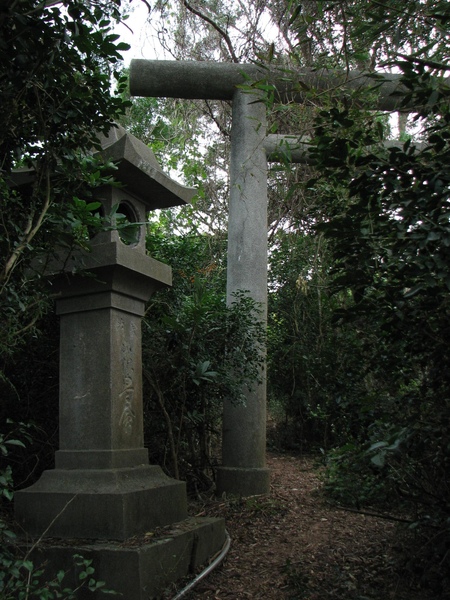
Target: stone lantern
102, 487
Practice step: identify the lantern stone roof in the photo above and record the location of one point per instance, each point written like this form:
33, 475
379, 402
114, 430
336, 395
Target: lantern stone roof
136, 169
139, 171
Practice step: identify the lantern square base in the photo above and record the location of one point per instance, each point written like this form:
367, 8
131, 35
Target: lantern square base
140, 568
112, 504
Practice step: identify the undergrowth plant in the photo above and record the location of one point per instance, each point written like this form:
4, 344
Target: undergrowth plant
197, 352
20, 577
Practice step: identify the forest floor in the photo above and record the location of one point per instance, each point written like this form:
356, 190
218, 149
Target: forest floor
294, 545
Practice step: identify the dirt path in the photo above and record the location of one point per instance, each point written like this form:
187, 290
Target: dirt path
292, 545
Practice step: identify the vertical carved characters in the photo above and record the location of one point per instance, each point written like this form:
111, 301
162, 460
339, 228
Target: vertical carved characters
128, 414
127, 396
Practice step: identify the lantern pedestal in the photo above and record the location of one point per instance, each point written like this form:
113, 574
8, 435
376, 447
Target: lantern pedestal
103, 498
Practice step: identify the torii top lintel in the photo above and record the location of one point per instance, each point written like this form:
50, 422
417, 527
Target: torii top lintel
219, 81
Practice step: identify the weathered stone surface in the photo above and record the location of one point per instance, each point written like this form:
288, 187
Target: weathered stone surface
244, 426
219, 81
100, 351
103, 487
111, 504
140, 569
139, 171
236, 481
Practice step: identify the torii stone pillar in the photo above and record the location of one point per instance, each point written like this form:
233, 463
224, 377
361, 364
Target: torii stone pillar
243, 454
243, 470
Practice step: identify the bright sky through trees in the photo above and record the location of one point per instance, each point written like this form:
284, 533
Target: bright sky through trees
137, 32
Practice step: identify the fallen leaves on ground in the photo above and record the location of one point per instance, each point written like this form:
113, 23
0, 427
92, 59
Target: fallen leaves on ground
292, 545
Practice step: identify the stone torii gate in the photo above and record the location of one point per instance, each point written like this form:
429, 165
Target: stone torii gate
243, 469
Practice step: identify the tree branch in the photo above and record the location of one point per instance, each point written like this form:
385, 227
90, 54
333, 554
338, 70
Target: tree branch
170, 434
369, 513
222, 32
220, 127
29, 233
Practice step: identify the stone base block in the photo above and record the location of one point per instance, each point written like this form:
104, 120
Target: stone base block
242, 481
139, 568
112, 504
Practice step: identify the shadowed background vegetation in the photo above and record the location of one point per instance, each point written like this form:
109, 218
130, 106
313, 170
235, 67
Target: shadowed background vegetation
359, 320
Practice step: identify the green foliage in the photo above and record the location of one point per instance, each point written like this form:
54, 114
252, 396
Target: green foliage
175, 131
56, 78
56, 73
314, 368
197, 352
390, 236
57, 60
351, 480
20, 578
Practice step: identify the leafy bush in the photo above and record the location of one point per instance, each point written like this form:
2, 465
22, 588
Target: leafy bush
315, 369
391, 251
20, 578
56, 64
197, 351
